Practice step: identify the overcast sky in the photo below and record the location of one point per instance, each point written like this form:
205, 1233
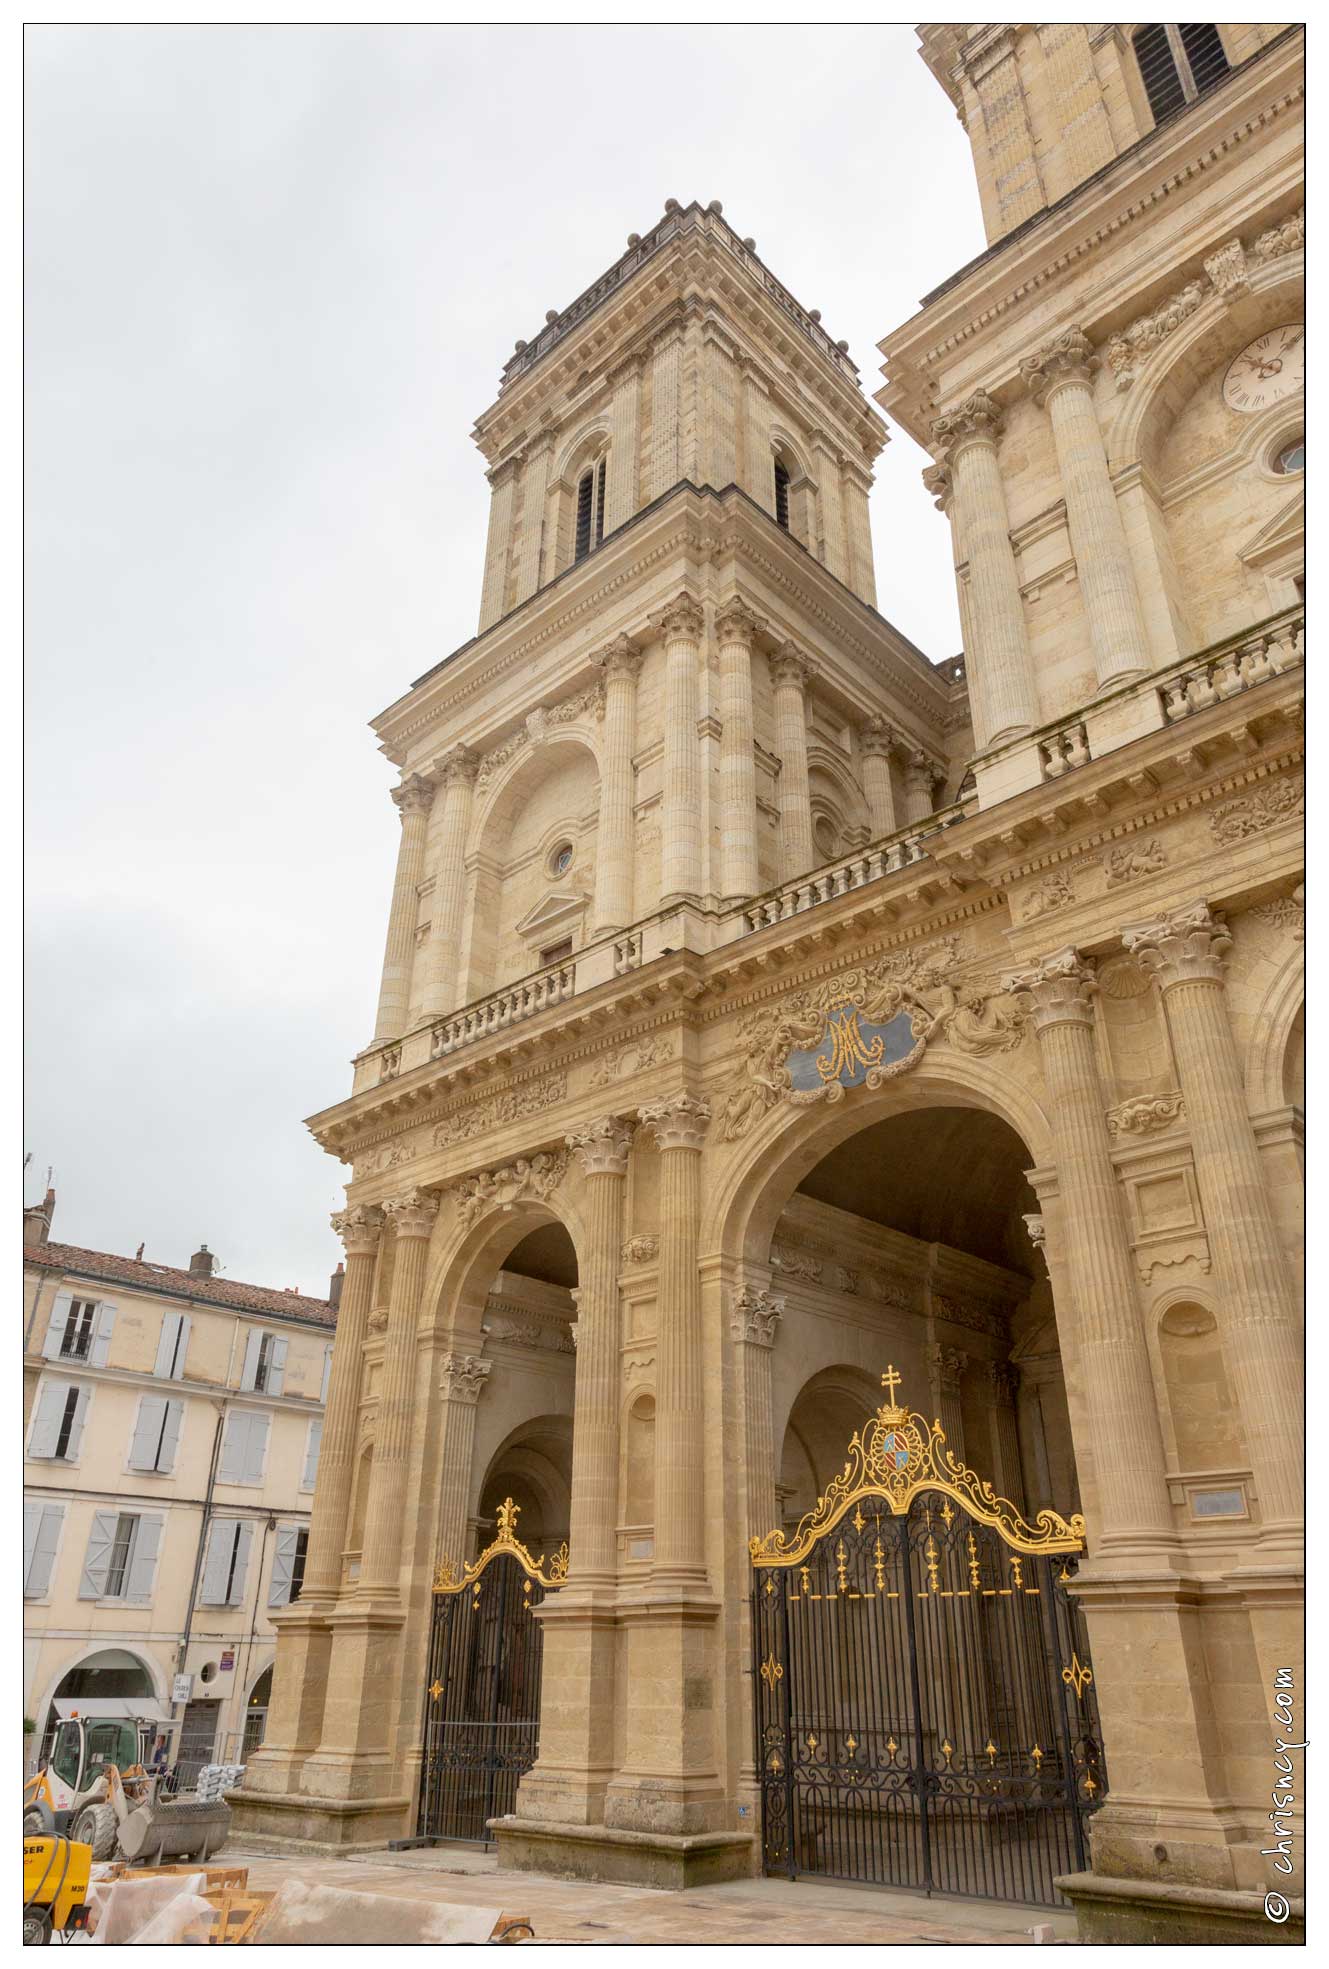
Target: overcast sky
272, 276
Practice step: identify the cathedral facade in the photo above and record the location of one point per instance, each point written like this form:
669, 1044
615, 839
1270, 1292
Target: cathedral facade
769, 1012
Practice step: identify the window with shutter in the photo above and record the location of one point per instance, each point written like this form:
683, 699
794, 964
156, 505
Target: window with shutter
244, 1447
103, 1328
142, 1568
55, 1330
97, 1558
312, 1447
1178, 64
590, 510
227, 1562
42, 1524
57, 1428
173, 1346
283, 1566
122, 1548
781, 495
156, 1433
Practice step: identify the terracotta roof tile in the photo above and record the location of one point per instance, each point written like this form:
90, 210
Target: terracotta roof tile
176, 1284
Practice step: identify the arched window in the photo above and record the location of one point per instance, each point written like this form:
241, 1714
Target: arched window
1290, 457
782, 494
590, 510
1178, 63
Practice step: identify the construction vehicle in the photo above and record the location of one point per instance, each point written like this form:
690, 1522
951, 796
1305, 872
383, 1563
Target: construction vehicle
56, 1872
96, 1789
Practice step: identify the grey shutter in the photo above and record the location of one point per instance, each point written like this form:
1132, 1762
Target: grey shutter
173, 1346
103, 1327
97, 1558
311, 1453
256, 1449
32, 1524
55, 1331
48, 1540
250, 1372
221, 1537
76, 1428
46, 1427
232, 1466
175, 1413
283, 1565
147, 1433
277, 1369
327, 1372
241, 1562
143, 1560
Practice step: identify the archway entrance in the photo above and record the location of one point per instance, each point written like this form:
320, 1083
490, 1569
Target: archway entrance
926, 1714
482, 1714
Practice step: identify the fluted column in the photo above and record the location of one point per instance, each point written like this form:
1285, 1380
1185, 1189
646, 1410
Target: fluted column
920, 779
875, 744
1004, 1434
679, 1123
359, 1229
791, 674
414, 798
736, 630
1184, 951
969, 435
412, 1217
1060, 377
456, 777
602, 1150
753, 1323
946, 1370
461, 1382
616, 839
1119, 1387
681, 626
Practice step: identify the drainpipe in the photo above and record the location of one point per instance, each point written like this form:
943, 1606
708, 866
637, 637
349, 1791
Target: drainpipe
183, 1652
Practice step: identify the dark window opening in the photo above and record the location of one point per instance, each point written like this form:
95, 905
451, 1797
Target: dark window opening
556, 953
121, 1547
67, 1423
781, 495
590, 510
1178, 64
76, 1341
263, 1366
298, 1564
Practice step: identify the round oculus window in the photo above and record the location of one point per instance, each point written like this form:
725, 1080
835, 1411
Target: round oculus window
560, 861
1291, 457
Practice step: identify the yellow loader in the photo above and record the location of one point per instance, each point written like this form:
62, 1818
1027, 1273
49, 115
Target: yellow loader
96, 1789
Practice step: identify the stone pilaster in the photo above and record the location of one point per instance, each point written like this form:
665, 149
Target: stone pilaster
1132, 1492
736, 629
462, 1379
624, 459
1060, 377
615, 898
1003, 1451
414, 799
498, 546
535, 467
754, 1321
946, 1371
1000, 655
876, 743
359, 1229
456, 777
412, 1218
791, 673
920, 780
681, 625
1184, 952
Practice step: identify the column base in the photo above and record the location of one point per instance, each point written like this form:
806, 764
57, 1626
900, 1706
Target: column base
1108, 1909
294, 1822
669, 1783
635, 1859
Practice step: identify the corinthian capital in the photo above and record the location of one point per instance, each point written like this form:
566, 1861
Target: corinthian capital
457, 767
736, 623
789, 666
679, 1121
621, 658
414, 796
977, 420
878, 738
413, 1214
462, 1377
1067, 358
1186, 946
937, 482
1057, 991
359, 1228
602, 1147
681, 620
754, 1316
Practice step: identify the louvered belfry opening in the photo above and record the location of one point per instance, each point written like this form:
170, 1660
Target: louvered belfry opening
1178, 63
590, 510
782, 495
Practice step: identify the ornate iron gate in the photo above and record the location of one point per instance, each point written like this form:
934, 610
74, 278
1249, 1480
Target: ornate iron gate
482, 1690
926, 1714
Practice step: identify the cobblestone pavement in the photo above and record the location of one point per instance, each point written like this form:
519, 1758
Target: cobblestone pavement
740, 1911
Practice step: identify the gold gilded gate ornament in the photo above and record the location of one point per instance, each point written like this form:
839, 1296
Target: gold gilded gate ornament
448, 1580
899, 1456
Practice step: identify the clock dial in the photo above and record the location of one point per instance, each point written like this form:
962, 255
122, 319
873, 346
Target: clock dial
1268, 369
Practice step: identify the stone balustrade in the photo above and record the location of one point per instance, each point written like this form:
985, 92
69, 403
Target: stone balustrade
505, 1008
1237, 667
839, 878
1063, 750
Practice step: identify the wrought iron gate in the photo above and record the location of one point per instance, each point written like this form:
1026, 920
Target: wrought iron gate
482, 1689
926, 1714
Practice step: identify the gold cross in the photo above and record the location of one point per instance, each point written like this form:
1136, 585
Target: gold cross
436, 1689
890, 1381
852, 1742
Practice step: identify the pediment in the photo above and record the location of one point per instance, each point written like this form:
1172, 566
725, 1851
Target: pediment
552, 912
1284, 534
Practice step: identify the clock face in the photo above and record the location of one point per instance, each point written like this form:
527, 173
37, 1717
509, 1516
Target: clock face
1269, 369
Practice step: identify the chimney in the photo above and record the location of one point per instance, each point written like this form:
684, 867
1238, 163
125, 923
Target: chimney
202, 1263
37, 1219
335, 1284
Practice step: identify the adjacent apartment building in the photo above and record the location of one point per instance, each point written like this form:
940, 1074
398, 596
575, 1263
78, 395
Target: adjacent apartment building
172, 1422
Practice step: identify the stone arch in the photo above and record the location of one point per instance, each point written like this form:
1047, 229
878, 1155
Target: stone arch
85, 1657
1276, 1030
586, 447
518, 904
814, 1435
835, 794
532, 1465
465, 1261
788, 451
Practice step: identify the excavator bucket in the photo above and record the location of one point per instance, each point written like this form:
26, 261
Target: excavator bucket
175, 1828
